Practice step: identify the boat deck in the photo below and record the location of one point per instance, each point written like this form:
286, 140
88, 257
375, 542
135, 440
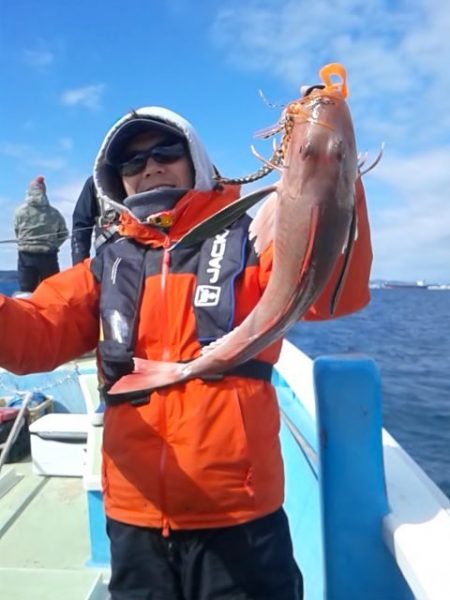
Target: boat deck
45, 549
44, 544
53, 544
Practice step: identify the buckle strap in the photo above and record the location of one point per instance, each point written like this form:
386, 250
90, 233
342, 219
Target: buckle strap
103, 235
253, 369
134, 398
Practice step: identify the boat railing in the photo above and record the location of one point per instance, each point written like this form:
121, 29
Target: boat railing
380, 513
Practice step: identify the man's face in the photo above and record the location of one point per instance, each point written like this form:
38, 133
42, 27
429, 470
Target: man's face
155, 174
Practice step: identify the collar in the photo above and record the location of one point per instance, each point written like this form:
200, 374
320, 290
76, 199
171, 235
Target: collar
193, 208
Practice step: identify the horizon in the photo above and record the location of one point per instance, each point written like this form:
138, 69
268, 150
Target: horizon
74, 69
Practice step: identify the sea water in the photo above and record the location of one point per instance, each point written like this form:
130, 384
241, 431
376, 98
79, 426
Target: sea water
407, 332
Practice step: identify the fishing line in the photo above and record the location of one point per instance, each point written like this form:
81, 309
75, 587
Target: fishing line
45, 236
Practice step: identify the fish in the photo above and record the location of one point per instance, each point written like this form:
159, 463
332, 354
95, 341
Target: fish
309, 217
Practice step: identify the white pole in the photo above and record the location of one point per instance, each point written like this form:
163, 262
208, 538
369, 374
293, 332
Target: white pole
12, 434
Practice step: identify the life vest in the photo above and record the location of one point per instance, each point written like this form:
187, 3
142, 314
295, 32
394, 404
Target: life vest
219, 261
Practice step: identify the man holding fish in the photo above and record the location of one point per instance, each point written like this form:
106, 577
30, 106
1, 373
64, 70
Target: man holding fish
187, 306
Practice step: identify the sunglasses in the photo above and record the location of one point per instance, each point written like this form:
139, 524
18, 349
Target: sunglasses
162, 153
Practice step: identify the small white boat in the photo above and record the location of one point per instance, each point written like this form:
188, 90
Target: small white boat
366, 521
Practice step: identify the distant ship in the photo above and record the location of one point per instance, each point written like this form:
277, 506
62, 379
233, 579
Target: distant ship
382, 284
419, 285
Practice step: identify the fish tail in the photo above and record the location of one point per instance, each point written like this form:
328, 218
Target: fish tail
149, 375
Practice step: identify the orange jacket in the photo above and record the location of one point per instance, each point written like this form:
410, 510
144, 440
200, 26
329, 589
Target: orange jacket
200, 453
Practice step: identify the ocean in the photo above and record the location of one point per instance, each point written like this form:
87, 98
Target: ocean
407, 333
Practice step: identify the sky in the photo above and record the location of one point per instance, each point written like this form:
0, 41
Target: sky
69, 70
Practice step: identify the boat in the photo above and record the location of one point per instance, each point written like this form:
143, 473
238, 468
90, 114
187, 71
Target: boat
366, 521
405, 285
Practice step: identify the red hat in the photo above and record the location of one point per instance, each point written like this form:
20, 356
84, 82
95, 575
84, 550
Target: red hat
37, 184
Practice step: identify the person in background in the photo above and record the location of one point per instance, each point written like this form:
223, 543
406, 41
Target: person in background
192, 473
87, 221
40, 231
84, 219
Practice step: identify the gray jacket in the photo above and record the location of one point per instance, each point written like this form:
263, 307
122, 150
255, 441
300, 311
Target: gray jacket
39, 227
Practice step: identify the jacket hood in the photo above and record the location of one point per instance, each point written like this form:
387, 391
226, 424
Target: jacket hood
108, 181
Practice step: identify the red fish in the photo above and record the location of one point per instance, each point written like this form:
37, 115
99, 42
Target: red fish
310, 220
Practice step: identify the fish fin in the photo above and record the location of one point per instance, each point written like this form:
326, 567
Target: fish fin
262, 227
219, 221
149, 375
269, 131
312, 236
348, 249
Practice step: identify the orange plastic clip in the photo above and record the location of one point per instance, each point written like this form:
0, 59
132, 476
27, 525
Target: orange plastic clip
162, 219
334, 70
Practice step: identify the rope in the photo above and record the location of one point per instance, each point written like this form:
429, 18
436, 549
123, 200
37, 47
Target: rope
44, 235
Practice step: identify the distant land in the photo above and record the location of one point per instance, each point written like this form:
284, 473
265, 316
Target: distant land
391, 284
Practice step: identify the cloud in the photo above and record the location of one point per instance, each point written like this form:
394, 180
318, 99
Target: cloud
66, 194
396, 55
8, 246
29, 157
48, 163
14, 150
88, 96
411, 237
66, 143
422, 173
38, 58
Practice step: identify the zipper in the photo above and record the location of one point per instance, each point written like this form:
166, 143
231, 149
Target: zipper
164, 275
162, 409
163, 462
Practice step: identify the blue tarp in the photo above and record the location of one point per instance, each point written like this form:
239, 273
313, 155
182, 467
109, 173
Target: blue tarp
62, 385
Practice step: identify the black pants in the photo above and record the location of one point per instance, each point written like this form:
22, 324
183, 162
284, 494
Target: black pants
33, 267
253, 561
